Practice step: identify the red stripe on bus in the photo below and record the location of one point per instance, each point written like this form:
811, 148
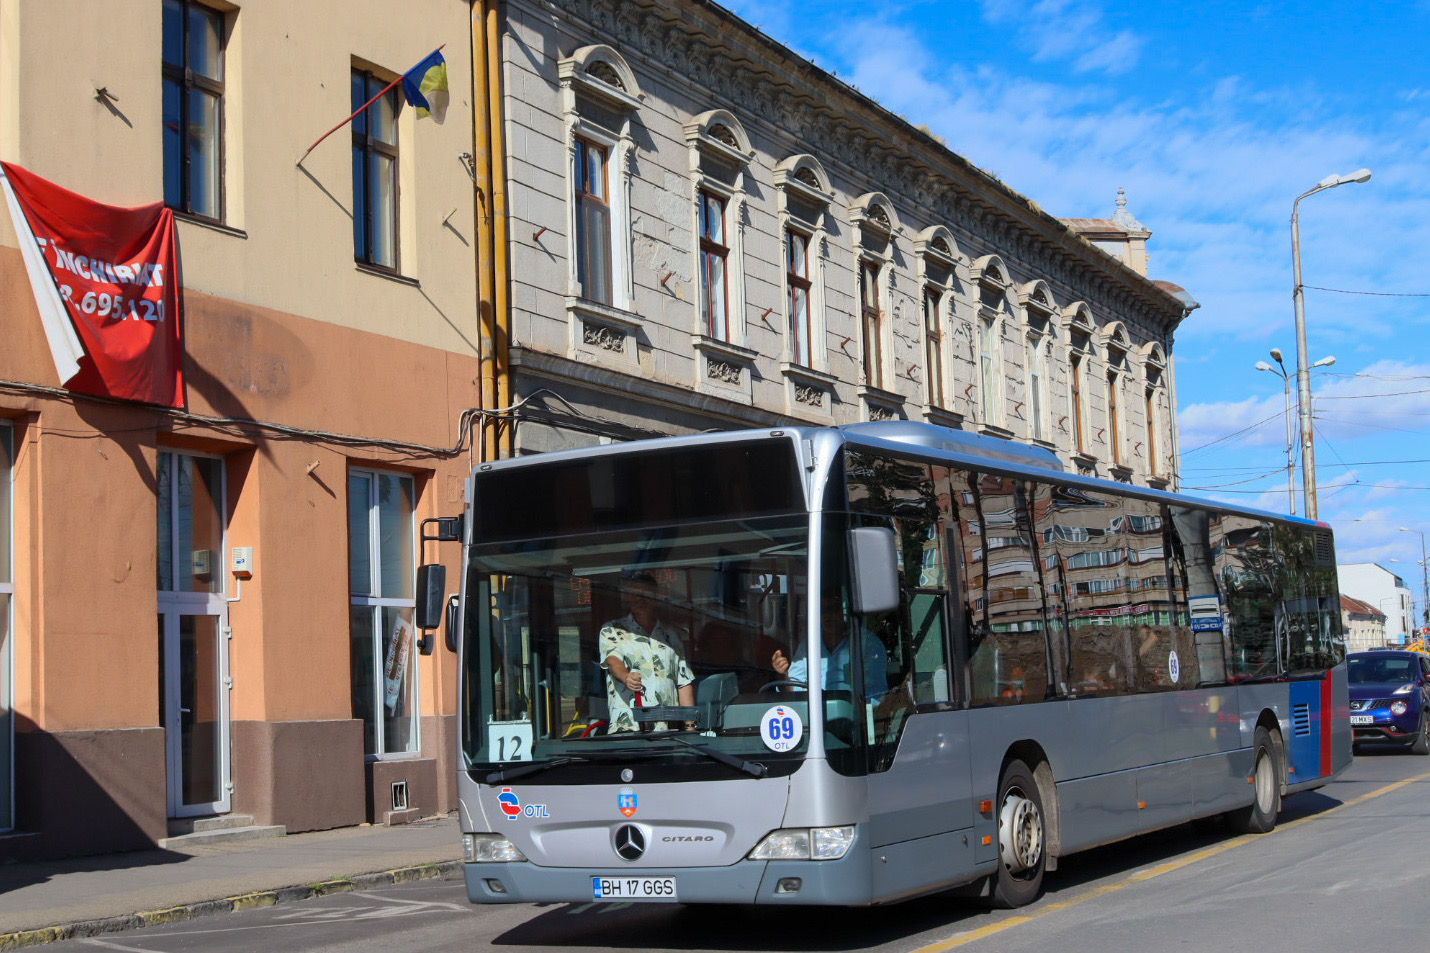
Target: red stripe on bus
1327, 716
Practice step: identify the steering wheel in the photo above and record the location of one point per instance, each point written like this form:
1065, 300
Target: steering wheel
781, 683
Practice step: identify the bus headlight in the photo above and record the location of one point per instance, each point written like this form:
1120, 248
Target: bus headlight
489, 849
804, 843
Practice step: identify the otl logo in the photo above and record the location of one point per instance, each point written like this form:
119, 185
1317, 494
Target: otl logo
626, 802
510, 804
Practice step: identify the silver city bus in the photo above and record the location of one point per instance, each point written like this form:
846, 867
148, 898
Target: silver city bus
1011, 664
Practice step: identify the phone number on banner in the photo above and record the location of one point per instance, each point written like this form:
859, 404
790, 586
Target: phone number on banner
106, 305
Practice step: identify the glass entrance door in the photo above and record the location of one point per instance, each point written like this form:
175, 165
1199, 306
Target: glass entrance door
195, 683
193, 633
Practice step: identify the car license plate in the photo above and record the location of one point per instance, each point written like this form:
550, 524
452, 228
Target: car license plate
633, 888
1362, 719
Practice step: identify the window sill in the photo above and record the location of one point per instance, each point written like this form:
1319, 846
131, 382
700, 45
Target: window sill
943, 417
627, 321
389, 275
210, 224
881, 404
993, 430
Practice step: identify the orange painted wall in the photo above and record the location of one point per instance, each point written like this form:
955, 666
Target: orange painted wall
85, 536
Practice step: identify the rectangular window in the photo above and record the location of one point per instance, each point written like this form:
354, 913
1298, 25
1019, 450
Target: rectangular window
797, 278
1036, 375
375, 172
714, 313
7, 650
1114, 421
933, 337
1150, 407
190, 505
1006, 619
1075, 399
380, 574
988, 370
193, 108
593, 221
870, 323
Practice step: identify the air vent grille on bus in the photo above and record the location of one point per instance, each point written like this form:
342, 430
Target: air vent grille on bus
1325, 552
1300, 720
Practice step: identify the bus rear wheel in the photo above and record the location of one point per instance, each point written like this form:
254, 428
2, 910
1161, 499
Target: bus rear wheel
1022, 839
1260, 816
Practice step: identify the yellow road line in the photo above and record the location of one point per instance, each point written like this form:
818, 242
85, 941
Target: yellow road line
1142, 876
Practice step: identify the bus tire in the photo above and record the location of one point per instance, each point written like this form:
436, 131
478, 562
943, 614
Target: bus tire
1022, 840
1259, 817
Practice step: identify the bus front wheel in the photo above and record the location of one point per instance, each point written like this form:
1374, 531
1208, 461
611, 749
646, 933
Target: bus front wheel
1022, 839
1260, 816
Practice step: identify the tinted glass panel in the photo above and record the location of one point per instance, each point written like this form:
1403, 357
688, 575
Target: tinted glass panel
649, 489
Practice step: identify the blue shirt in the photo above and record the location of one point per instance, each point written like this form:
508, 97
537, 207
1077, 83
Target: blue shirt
836, 672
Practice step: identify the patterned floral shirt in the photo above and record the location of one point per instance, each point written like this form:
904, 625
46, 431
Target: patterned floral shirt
659, 657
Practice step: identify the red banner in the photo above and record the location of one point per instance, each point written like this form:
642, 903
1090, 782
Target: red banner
113, 270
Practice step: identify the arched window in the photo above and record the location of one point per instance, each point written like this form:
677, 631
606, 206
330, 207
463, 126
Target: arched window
600, 99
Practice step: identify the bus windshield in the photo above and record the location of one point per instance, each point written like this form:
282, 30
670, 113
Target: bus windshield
635, 609
600, 641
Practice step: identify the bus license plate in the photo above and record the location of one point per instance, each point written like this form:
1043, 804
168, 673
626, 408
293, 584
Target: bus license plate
633, 888
1362, 719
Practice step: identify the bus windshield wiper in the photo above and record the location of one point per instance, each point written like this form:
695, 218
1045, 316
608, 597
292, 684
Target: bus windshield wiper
753, 768
532, 767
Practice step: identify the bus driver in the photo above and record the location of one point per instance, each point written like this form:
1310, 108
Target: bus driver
835, 654
644, 657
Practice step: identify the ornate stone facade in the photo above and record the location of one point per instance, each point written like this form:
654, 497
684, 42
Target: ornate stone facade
843, 249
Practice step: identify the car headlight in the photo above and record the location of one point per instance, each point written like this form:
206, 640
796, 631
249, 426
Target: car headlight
1404, 689
804, 843
489, 849
1398, 708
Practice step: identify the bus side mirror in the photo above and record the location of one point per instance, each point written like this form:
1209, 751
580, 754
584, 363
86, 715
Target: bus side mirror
431, 595
453, 620
873, 569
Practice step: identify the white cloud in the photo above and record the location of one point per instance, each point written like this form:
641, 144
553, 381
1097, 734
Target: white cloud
1065, 30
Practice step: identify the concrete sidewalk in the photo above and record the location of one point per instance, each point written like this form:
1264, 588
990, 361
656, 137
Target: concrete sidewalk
88, 896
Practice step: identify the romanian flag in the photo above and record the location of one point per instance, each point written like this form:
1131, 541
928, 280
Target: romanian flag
425, 86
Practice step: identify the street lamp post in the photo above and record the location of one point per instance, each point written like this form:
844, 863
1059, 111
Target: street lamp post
1290, 439
1424, 577
1303, 372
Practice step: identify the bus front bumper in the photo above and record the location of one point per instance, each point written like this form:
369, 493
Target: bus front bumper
844, 882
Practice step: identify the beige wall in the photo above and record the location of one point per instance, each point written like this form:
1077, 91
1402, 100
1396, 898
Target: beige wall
287, 84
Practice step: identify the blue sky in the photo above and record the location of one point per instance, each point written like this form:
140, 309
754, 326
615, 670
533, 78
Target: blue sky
1213, 117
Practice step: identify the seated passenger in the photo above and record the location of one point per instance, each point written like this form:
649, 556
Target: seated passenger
836, 656
644, 658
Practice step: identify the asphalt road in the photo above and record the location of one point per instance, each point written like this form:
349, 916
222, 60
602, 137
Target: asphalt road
1346, 869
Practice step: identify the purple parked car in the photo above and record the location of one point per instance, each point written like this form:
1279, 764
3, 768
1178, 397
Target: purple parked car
1390, 698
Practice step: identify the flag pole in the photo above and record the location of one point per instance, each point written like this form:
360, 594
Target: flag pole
374, 99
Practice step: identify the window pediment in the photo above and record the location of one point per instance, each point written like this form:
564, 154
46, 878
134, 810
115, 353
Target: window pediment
936, 245
873, 214
602, 73
804, 176
718, 133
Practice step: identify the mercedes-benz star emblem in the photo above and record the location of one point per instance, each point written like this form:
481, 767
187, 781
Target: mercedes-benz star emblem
627, 775
630, 842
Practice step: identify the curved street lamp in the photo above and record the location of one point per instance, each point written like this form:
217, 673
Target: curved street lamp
1303, 372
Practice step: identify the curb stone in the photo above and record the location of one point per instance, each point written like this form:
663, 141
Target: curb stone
80, 929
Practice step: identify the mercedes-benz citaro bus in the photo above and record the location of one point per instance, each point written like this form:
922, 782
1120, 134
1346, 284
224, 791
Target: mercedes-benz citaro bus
870, 662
